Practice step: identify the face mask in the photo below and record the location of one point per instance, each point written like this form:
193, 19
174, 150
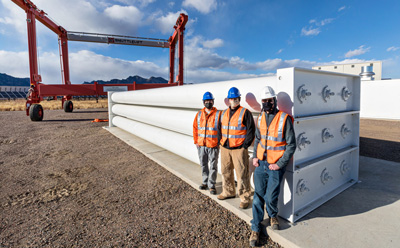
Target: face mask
234, 103
209, 105
268, 106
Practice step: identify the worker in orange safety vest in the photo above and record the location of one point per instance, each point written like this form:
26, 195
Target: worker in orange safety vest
274, 146
205, 135
237, 134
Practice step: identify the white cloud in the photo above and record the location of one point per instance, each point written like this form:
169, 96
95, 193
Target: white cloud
310, 31
166, 23
81, 67
213, 43
13, 16
201, 65
341, 8
315, 27
82, 15
361, 50
107, 68
143, 3
14, 63
146, 2
198, 58
325, 21
203, 6
280, 51
321, 23
123, 13
345, 61
171, 4
392, 49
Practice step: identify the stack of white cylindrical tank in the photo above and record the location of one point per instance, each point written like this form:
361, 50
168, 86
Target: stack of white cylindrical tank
165, 116
325, 107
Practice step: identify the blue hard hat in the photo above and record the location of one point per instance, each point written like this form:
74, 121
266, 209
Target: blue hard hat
208, 96
233, 93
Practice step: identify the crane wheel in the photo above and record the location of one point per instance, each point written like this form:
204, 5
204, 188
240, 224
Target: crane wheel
68, 106
36, 112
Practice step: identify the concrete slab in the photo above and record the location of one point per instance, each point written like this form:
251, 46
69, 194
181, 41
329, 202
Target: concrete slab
365, 215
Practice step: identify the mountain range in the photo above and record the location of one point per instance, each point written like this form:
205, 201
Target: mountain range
7, 80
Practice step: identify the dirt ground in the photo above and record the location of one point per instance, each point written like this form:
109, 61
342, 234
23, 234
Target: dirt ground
67, 182
380, 139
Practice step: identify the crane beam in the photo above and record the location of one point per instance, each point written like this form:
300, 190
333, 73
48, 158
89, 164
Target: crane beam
117, 39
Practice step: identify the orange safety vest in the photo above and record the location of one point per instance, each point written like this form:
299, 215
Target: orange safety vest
233, 129
207, 128
272, 139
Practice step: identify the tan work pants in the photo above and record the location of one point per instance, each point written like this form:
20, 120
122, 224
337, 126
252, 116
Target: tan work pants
237, 159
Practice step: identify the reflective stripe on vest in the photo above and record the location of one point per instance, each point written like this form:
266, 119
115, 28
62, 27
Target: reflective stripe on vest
211, 140
271, 145
232, 130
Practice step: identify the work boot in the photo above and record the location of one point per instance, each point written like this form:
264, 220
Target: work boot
244, 205
274, 223
222, 197
203, 187
254, 238
213, 191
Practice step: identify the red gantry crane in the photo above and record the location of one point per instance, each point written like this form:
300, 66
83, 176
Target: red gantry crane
38, 90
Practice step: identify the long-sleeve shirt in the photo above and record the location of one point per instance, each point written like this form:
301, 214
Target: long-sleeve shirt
289, 135
248, 121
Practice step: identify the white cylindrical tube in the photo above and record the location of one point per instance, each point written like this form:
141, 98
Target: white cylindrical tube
190, 96
177, 143
178, 120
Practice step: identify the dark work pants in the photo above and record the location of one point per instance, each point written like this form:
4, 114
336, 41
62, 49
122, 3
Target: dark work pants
266, 192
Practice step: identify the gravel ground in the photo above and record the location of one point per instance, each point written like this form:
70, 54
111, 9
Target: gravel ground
59, 187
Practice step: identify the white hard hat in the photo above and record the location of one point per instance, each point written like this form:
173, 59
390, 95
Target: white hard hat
267, 92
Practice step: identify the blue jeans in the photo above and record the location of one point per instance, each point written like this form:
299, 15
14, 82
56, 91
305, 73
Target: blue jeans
267, 187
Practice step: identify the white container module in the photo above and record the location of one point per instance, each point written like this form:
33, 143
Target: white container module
315, 92
326, 110
316, 182
325, 107
320, 135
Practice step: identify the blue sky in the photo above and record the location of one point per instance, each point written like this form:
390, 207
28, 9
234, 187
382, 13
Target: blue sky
223, 40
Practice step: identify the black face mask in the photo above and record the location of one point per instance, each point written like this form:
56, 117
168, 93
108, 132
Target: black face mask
268, 106
209, 105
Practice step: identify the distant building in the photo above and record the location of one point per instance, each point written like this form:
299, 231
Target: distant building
353, 68
13, 92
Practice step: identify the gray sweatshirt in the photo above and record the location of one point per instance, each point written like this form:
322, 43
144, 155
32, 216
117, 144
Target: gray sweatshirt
289, 136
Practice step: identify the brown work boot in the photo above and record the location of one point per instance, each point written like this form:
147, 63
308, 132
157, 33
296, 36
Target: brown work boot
244, 205
254, 238
274, 223
222, 197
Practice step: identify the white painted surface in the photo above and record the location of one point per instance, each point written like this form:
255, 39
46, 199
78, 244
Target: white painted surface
380, 99
190, 96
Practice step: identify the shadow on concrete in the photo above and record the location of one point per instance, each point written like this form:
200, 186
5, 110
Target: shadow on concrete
88, 111
381, 149
378, 186
67, 120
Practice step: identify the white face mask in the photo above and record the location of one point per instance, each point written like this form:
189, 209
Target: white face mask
234, 102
